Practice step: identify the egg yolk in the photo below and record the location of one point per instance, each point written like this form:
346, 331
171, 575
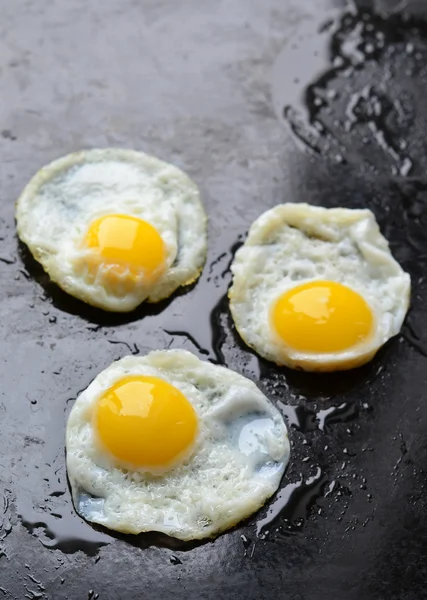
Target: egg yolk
322, 316
145, 422
127, 244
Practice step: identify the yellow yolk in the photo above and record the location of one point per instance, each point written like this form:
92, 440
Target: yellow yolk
126, 244
322, 316
145, 422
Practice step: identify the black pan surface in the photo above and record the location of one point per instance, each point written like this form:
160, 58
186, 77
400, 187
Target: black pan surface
337, 118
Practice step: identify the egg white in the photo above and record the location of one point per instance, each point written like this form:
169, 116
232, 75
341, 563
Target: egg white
239, 457
58, 205
293, 244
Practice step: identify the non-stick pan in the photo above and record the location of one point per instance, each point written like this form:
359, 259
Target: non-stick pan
261, 102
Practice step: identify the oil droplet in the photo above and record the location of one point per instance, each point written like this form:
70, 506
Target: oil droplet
206, 335
337, 414
63, 529
305, 420
293, 502
299, 417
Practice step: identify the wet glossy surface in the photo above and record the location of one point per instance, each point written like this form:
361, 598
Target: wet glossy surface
194, 83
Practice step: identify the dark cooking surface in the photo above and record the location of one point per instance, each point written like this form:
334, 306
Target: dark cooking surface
189, 81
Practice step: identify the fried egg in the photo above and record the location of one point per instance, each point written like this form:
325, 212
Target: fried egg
172, 444
316, 288
114, 227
